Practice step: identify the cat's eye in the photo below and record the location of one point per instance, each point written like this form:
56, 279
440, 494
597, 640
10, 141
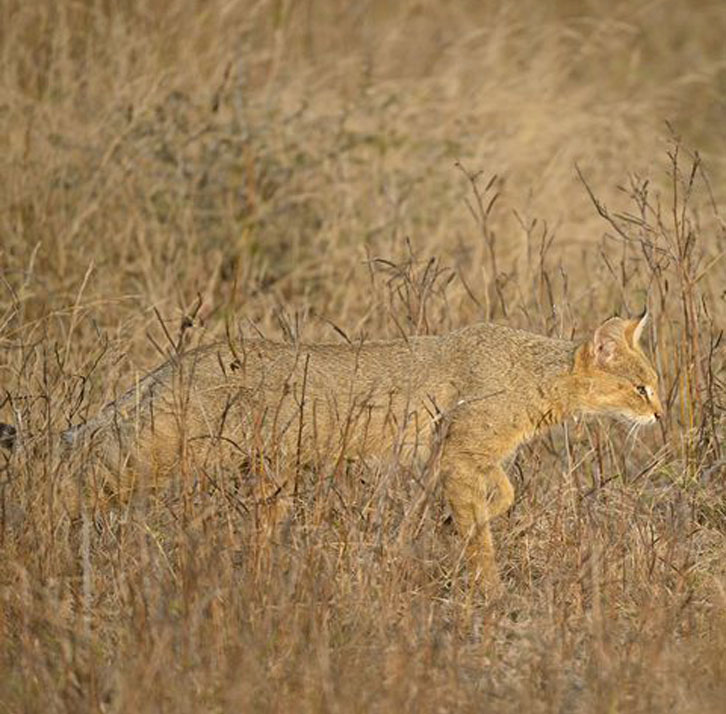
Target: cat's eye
642, 390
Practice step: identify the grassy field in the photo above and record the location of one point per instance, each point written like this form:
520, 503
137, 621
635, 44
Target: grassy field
381, 167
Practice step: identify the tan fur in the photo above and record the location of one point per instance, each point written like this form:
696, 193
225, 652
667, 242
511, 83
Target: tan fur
492, 386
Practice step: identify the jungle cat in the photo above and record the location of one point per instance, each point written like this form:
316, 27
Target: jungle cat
493, 386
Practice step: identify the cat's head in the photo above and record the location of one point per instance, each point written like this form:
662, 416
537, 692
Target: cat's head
621, 381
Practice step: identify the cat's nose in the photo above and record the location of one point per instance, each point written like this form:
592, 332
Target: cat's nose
658, 416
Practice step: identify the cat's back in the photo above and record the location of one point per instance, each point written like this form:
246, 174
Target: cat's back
380, 366
484, 356
442, 365
496, 351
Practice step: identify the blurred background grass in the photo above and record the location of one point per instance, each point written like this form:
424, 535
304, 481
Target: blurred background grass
301, 163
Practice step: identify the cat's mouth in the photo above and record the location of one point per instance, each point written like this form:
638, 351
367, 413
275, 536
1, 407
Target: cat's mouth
644, 419
629, 417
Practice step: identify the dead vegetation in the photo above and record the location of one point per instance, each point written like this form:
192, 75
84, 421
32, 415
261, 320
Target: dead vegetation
333, 171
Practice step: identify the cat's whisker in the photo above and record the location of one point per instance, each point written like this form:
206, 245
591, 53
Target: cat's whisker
630, 433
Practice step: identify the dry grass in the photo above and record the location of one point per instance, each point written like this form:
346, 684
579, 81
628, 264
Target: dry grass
295, 164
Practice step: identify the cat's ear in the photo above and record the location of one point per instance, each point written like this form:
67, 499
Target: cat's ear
606, 339
634, 328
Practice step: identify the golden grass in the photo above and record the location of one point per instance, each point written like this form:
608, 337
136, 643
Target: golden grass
297, 164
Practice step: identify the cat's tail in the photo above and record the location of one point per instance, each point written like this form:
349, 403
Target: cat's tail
9, 435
